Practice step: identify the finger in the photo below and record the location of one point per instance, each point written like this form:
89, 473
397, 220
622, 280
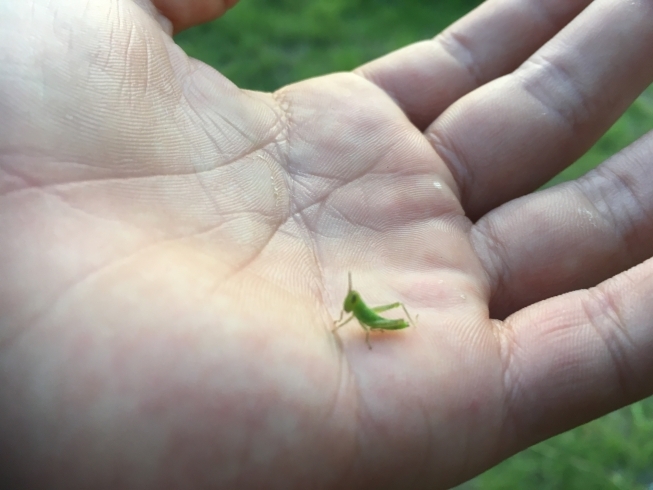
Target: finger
571, 236
426, 77
512, 135
188, 13
575, 357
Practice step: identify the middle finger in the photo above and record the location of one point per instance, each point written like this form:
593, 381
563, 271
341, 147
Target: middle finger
512, 135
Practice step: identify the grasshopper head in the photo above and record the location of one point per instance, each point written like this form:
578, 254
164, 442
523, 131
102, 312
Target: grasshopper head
350, 301
352, 298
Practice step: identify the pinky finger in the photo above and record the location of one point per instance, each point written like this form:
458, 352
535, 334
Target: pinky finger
572, 358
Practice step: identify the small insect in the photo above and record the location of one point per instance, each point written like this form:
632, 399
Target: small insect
369, 318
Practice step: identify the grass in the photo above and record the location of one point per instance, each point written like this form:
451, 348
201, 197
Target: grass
614, 452
264, 44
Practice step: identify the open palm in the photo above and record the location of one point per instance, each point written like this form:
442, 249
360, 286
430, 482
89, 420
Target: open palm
175, 251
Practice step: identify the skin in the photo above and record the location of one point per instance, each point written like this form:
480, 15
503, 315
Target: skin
172, 250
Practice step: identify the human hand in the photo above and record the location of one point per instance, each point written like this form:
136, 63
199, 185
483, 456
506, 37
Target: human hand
174, 251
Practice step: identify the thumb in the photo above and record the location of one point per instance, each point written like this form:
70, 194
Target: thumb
188, 13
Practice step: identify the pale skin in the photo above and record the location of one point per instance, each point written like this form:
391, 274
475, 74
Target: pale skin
173, 248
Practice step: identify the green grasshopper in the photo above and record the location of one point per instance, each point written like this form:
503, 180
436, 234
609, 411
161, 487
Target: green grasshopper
369, 318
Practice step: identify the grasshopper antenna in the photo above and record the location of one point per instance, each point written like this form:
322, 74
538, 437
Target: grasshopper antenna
349, 282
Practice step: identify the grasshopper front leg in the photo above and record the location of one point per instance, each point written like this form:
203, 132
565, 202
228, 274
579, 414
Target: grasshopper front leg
343, 323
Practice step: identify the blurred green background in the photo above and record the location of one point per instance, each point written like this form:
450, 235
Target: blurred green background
264, 44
